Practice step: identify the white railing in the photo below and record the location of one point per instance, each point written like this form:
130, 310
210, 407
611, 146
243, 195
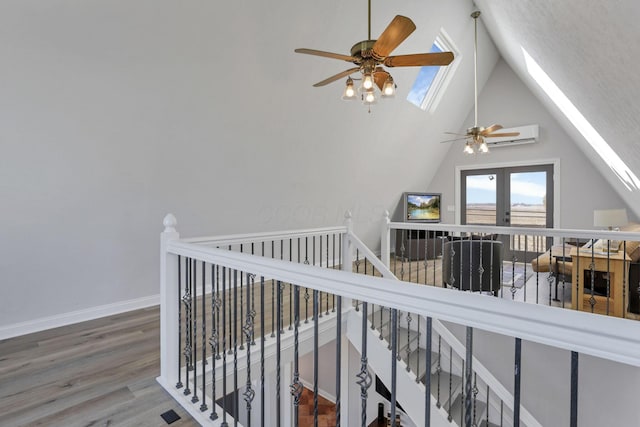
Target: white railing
609, 338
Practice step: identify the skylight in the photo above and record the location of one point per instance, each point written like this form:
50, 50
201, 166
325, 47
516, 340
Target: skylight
431, 82
597, 142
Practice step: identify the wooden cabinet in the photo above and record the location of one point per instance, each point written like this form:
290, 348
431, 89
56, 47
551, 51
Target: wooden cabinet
599, 274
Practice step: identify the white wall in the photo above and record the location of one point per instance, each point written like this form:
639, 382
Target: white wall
507, 101
114, 113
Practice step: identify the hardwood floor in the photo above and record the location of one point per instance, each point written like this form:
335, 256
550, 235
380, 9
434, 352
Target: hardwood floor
96, 373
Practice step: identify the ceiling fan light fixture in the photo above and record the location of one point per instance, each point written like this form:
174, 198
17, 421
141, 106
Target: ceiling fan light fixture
349, 90
369, 97
483, 147
468, 148
389, 88
367, 81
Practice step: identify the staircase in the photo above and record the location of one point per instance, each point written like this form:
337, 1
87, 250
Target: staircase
447, 388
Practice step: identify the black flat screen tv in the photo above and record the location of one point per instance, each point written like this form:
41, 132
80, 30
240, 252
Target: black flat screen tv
422, 207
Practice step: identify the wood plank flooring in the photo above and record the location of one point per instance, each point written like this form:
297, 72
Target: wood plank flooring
96, 373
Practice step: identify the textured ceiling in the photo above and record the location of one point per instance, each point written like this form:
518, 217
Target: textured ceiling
590, 49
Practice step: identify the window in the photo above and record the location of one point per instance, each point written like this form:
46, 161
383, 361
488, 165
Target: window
431, 82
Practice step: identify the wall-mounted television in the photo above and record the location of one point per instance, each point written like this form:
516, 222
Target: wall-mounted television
422, 207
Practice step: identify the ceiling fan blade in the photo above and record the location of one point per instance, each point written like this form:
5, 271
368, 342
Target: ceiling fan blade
455, 133
325, 54
337, 77
419, 59
399, 29
504, 134
380, 76
491, 129
454, 139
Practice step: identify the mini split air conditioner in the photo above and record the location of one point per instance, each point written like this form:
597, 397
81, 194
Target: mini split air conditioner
528, 135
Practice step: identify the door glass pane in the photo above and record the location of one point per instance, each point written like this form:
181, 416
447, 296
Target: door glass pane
528, 199
481, 199
528, 208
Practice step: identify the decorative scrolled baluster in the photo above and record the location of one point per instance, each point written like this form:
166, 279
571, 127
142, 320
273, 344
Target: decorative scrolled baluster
296, 386
214, 339
248, 330
364, 376
187, 351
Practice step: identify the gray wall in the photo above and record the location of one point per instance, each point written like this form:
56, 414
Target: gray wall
507, 101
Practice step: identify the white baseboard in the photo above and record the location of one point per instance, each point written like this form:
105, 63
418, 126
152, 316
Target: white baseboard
330, 397
64, 319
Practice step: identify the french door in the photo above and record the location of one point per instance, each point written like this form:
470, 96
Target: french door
519, 196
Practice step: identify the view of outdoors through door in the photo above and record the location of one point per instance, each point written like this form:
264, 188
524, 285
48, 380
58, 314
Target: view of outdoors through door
511, 197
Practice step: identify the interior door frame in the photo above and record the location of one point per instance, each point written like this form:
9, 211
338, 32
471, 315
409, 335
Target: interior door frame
556, 183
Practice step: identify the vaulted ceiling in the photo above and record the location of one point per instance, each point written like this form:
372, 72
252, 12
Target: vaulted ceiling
590, 50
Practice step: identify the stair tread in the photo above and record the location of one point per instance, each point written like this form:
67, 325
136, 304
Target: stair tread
417, 360
456, 382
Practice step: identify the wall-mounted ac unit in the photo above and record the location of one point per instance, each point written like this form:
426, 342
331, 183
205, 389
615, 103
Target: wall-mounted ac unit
528, 135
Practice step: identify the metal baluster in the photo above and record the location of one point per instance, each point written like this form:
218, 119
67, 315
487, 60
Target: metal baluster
194, 302
333, 296
338, 359
408, 350
609, 275
253, 307
475, 392
438, 371
224, 347
281, 314
418, 350
320, 261
468, 383
398, 331
249, 394
488, 407
217, 316
574, 389
513, 278
592, 268
316, 331
357, 263
262, 339
501, 412
273, 295
296, 386
278, 352
327, 295
524, 279
394, 366
179, 383
450, 418
402, 249
516, 383
463, 397
290, 287
306, 290
234, 312
187, 305
409, 260
213, 340
203, 406
427, 377
364, 377
241, 303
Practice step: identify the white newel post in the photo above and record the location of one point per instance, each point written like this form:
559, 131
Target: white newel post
385, 249
169, 301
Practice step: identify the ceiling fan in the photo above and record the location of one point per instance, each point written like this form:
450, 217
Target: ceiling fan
370, 55
476, 135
